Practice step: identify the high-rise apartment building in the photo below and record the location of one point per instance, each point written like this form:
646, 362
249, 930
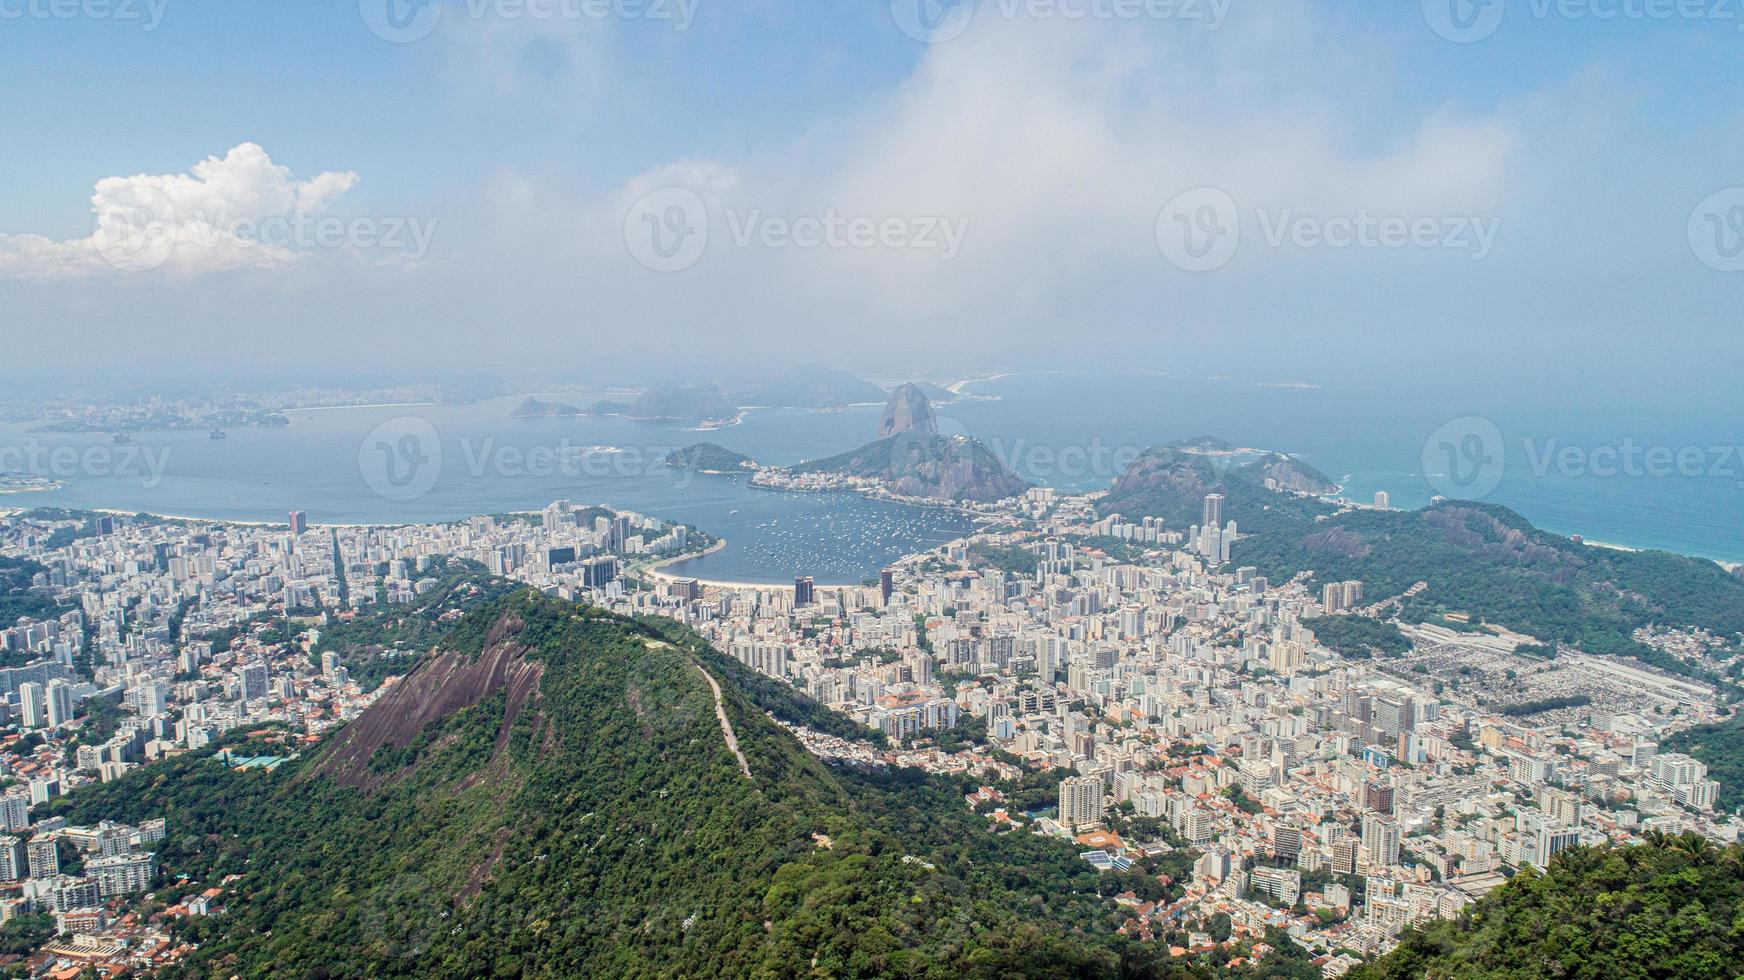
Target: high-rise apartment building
1081, 801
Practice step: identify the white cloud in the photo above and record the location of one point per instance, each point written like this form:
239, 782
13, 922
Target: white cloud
1057, 143
184, 225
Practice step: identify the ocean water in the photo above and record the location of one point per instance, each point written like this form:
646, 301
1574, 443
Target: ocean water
1558, 458
1640, 469
426, 463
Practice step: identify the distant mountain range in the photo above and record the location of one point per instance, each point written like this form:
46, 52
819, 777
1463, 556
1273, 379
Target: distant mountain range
812, 386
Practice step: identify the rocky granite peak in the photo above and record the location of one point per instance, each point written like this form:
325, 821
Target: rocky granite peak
908, 410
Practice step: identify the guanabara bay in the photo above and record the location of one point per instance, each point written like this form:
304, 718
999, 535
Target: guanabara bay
917, 489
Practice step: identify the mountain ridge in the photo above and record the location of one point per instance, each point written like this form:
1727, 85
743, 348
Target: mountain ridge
551, 794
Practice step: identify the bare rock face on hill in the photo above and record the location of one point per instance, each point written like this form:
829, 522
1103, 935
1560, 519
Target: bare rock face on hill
449, 683
908, 410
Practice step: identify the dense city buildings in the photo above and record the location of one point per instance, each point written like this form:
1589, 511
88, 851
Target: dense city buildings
1170, 697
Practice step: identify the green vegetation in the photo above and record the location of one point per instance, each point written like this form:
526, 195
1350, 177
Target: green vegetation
1171, 482
1668, 908
22, 935
1359, 636
16, 600
1011, 559
596, 824
1235, 794
1489, 562
1721, 748
776, 697
1478, 559
367, 645
708, 457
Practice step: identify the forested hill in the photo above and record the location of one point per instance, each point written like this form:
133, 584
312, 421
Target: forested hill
553, 795
1673, 907
1171, 482
1480, 559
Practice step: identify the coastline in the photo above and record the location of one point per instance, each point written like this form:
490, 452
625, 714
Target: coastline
188, 519
656, 571
331, 408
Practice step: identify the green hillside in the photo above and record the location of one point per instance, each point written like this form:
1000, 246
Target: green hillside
1673, 907
16, 599
709, 457
1479, 559
1171, 482
554, 796
1720, 747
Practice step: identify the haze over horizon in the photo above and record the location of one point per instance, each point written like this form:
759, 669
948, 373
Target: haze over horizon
483, 197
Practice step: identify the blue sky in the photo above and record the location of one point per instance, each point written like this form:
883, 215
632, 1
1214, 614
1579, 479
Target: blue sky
1059, 143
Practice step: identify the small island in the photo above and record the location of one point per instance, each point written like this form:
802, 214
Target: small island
533, 408
708, 457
